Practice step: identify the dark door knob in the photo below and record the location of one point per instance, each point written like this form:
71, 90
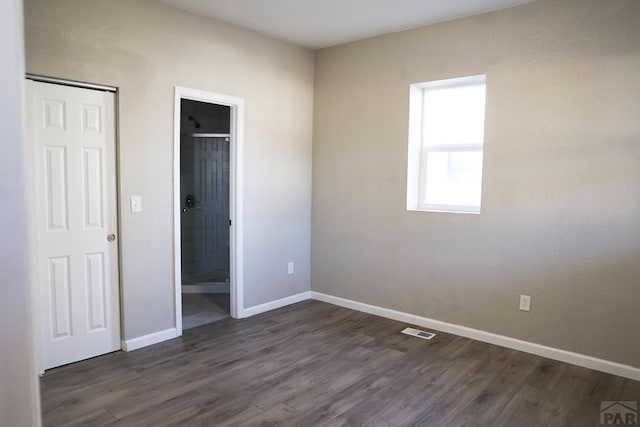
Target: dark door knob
190, 200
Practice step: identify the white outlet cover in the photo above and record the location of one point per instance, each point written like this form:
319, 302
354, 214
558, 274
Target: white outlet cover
290, 268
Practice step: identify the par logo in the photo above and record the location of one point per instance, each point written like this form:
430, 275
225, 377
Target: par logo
619, 413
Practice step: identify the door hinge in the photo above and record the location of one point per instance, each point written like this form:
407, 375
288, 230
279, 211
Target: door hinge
229, 223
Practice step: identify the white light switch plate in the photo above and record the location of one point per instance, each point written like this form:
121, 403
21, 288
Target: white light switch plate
136, 204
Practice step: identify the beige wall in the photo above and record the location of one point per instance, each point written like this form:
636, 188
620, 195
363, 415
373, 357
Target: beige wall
19, 397
561, 192
146, 48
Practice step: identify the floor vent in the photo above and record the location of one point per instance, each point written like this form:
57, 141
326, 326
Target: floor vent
418, 333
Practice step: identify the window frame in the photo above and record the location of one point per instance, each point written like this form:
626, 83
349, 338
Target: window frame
419, 148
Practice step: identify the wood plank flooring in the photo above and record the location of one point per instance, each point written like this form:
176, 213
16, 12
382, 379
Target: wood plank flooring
314, 364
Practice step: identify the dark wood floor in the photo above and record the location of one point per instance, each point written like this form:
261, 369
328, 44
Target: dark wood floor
314, 364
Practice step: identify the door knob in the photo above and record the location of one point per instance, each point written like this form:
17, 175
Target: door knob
111, 237
190, 200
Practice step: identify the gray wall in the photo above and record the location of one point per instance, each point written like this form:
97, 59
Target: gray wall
561, 190
146, 48
19, 397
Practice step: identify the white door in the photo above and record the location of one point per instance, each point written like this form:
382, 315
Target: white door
73, 132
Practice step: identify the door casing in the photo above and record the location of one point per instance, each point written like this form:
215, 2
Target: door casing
235, 197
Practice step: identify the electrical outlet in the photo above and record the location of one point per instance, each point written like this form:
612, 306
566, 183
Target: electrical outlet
290, 268
525, 302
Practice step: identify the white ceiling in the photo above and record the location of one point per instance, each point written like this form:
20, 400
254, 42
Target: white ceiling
321, 23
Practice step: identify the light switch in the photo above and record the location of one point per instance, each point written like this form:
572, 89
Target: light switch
136, 204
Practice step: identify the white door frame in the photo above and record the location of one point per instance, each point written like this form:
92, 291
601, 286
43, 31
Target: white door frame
235, 197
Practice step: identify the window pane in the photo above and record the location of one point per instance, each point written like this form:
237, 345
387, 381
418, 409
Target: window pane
453, 178
454, 115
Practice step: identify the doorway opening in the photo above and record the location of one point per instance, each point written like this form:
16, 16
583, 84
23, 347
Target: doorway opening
204, 190
207, 202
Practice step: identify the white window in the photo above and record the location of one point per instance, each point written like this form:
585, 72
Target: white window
446, 136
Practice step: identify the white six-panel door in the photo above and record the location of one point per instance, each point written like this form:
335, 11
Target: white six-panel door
73, 132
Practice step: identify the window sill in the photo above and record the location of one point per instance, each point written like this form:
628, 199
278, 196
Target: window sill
446, 209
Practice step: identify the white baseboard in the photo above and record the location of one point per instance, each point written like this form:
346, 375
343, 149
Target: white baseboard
147, 340
206, 288
272, 305
488, 337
